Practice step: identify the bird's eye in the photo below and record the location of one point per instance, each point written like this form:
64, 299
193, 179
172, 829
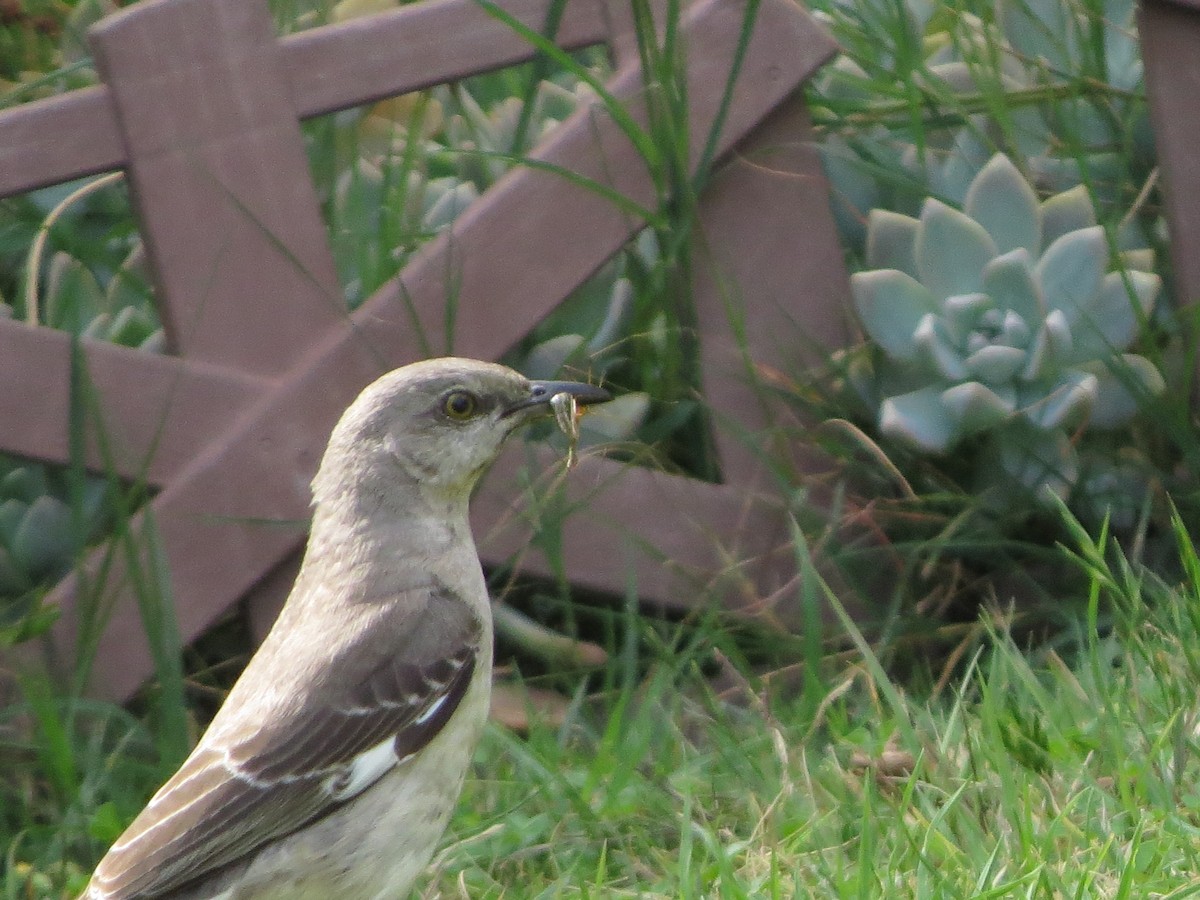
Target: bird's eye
460, 405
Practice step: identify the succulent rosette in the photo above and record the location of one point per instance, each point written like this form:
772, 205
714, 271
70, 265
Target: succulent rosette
1009, 319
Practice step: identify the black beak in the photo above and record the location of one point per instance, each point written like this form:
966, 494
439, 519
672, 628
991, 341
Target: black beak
540, 393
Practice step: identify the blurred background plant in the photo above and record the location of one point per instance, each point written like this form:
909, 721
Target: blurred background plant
927, 93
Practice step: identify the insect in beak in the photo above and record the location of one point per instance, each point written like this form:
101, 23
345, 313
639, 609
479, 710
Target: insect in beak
566, 415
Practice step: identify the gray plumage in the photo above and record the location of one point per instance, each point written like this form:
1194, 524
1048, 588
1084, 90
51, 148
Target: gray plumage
336, 761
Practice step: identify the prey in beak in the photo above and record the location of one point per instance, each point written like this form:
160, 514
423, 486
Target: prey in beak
563, 399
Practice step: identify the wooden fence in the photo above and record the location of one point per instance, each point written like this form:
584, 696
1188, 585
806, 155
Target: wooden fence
1169, 31
200, 106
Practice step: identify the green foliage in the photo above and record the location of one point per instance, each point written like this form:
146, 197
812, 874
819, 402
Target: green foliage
42, 49
404, 169
1061, 772
43, 525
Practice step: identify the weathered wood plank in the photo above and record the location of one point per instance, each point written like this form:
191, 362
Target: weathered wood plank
245, 278
58, 139
356, 62
153, 431
1169, 32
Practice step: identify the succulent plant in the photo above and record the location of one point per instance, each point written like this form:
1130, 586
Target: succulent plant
369, 202
481, 138
420, 160
120, 312
1006, 319
1024, 47
39, 537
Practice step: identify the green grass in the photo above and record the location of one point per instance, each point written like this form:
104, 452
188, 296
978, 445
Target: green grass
1046, 773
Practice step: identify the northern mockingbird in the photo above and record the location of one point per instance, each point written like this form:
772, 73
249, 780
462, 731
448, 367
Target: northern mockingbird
337, 759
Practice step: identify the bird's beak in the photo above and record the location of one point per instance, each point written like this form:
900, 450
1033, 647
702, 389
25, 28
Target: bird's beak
540, 393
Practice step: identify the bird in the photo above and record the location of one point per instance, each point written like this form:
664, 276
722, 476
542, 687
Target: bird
334, 765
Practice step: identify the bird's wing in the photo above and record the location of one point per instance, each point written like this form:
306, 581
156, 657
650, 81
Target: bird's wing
393, 695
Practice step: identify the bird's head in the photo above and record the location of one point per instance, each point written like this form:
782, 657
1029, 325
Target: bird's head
438, 423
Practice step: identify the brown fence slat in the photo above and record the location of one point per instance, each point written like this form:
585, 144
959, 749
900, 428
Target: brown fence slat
57, 139
1170, 37
766, 240
246, 278
668, 538
355, 62
153, 431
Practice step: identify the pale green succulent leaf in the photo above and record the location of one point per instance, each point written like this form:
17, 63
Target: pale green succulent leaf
844, 79
550, 357
1072, 268
920, 419
996, 363
1137, 258
1123, 385
1038, 459
43, 541
1001, 200
1111, 323
890, 305
12, 512
556, 103
97, 328
958, 167
1067, 403
24, 482
937, 348
891, 238
951, 250
617, 423
853, 185
961, 314
156, 342
620, 303
130, 284
130, 327
1063, 213
1052, 348
1009, 281
72, 293
976, 407
1014, 330
446, 203
1030, 132
956, 76
1038, 28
